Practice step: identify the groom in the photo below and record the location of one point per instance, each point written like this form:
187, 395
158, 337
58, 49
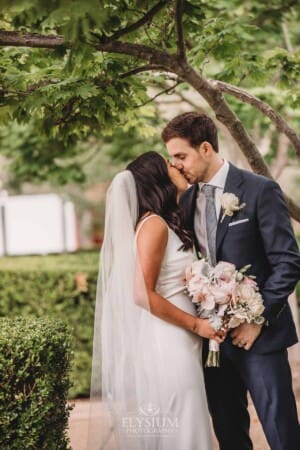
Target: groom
253, 357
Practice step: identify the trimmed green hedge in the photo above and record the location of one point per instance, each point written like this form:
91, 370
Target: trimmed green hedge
46, 285
34, 379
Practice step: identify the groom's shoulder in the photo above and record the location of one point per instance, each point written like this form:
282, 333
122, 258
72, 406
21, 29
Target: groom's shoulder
259, 181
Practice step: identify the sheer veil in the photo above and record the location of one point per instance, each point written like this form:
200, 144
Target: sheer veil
121, 371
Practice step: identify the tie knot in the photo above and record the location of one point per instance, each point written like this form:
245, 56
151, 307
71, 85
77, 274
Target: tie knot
208, 190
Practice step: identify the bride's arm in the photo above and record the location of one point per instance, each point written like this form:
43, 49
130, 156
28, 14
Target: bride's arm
151, 245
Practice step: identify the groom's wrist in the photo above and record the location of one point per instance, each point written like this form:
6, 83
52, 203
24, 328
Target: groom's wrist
272, 314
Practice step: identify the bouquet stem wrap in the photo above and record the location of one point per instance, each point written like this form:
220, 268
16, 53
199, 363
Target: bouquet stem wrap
213, 357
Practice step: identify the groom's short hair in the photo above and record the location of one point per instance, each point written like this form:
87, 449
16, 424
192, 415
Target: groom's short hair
194, 127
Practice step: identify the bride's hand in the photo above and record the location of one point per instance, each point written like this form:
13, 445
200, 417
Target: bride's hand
203, 328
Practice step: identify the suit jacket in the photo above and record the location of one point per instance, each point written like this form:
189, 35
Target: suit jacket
260, 234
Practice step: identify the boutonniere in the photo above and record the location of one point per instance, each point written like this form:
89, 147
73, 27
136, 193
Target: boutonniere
230, 204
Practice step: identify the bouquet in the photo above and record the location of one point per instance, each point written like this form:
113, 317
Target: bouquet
224, 295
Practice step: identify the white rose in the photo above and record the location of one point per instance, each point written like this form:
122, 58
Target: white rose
209, 302
256, 308
234, 322
201, 268
230, 204
246, 292
255, 303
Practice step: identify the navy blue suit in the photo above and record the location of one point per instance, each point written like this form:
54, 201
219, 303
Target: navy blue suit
262, 237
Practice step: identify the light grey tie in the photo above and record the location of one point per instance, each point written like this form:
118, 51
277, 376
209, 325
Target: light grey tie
211, 220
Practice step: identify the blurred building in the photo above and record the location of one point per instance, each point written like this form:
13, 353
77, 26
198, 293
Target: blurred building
37, 224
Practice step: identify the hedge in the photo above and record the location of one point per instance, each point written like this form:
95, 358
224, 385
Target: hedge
34, 378
63, 287
46, 285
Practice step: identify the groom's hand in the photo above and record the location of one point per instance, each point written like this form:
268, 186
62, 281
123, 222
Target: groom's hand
245, 335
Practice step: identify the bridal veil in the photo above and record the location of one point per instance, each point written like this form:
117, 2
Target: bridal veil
121, 371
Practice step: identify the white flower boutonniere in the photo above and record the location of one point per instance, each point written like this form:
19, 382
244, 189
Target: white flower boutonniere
230, 204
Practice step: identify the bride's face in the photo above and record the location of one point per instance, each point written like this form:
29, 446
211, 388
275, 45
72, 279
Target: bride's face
177, 178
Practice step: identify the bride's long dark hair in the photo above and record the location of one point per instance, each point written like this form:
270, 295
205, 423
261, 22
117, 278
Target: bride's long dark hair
157, 193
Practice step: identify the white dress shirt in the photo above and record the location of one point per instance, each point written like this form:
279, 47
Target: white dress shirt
218, 180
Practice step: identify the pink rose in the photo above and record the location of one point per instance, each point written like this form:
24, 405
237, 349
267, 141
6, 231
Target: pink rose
223, 292
249, 281
196, 286
224, 271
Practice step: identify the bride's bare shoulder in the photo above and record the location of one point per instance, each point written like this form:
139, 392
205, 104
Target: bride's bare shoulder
151, 218
152, 227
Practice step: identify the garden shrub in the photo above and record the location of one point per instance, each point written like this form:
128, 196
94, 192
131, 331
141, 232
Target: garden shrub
59, 286
34, 378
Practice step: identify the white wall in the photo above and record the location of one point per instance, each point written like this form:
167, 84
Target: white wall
37, 224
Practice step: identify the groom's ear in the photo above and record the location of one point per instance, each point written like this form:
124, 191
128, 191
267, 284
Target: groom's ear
206, 149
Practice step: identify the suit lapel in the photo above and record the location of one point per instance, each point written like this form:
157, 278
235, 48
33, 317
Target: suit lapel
233, 185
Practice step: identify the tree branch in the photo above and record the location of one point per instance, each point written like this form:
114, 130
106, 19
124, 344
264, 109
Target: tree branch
30, 89
138, 24
266, 109
18, 39
12, 38
178, 12
226, 115
169, 90
137, 70
181, 98
189, 101
180, 67
144, 52
150, 54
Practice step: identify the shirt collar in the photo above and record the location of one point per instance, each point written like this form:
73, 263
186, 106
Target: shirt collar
219, 178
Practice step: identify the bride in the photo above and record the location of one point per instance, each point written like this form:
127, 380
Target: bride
147, 340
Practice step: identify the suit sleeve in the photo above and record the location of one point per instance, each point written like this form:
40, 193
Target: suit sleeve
280, 247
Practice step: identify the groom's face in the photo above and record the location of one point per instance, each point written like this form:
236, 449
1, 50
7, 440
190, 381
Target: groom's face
192, 163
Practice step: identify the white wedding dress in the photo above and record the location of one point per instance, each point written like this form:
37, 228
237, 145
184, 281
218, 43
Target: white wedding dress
175, 413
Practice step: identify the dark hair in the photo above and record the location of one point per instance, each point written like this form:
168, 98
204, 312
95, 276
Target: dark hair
156, 193
194, 127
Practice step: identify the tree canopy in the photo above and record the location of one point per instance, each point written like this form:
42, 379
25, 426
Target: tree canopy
72, 71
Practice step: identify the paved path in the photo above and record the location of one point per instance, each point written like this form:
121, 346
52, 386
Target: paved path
80, 413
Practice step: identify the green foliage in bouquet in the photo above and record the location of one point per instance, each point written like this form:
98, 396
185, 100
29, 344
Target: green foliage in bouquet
55, 286
34, 377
